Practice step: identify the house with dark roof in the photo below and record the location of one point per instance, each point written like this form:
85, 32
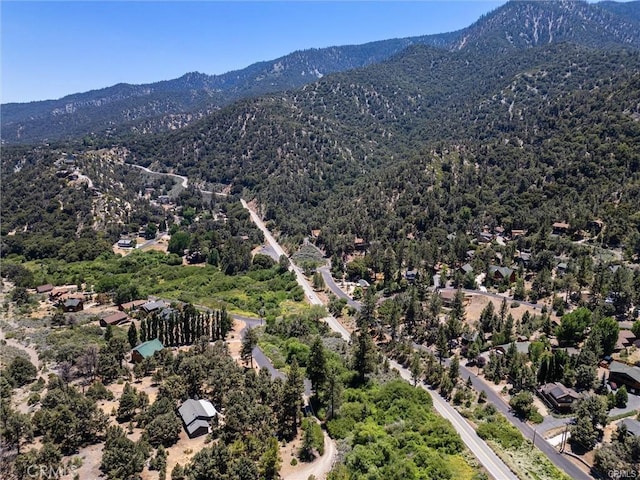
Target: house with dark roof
73, 305
623, 374
146, 350
411, 275
196, 416
499, 274
114, 319
558, 396
153, 306
466, 268
484, 237
523, 258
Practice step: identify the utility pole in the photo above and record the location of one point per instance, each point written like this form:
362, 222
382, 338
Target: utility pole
533, 444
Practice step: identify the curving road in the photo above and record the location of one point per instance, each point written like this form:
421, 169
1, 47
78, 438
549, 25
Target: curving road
184, 181
302, 281
335, 288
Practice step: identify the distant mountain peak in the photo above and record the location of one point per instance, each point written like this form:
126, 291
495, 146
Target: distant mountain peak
166, 105
525, 23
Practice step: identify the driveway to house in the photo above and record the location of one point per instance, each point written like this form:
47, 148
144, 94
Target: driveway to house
633, 404
335, 289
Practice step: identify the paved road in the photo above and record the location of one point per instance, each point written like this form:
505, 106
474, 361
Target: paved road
496, 467
479, 384
184, 181
496, 399
335, 289
302, 281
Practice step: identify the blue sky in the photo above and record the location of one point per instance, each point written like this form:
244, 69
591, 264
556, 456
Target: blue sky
52, 49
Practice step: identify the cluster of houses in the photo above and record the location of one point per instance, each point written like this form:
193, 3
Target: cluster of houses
65, 297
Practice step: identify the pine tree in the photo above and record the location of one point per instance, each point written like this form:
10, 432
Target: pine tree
249, 342
132, 335
317, 365
291, 401
364, 357
108, 333
143, 330
442, 345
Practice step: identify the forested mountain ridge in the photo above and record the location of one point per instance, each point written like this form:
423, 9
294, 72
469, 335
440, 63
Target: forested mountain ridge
171, 104
432, 141
167, 105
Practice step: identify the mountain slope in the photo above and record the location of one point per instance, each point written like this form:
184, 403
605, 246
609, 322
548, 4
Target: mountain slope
406, 146
172, 104
524, 24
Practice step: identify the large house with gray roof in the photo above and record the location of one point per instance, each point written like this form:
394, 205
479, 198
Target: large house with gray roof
196, 416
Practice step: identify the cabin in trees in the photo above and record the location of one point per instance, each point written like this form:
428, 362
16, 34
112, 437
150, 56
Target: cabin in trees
622, 374
146, 350
499, 274
196, 416
73, 304
411, 275
360, 244
558, 396
448, 297
114, 319
126, 243
560, 228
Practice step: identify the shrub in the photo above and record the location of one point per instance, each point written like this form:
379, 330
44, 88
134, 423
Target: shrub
501, 431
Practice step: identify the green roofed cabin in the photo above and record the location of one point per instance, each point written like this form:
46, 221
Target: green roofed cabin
146, 350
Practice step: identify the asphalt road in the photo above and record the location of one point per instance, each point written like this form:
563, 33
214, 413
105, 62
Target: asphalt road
496, 467
302, 281
335, 289
559, 460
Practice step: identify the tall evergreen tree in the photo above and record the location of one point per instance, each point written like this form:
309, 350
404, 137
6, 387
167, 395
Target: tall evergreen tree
364, 356
292, 401
317, 365
132, 335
